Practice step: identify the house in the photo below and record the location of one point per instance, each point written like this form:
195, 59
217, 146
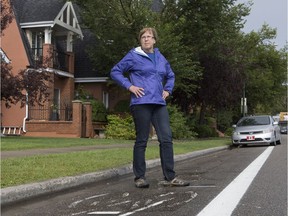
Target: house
48, 29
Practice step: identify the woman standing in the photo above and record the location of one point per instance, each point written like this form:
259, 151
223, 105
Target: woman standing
150, 82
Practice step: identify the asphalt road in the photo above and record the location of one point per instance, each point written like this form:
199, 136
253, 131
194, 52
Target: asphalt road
247, 181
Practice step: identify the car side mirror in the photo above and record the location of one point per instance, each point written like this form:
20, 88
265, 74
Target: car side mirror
234, 126
275, 123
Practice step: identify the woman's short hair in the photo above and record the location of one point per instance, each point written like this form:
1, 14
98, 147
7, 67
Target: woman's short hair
148, 29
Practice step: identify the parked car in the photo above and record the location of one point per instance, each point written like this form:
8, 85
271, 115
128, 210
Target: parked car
256, 130
283, 127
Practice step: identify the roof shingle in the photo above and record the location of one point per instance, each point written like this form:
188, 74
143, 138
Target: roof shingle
37, 11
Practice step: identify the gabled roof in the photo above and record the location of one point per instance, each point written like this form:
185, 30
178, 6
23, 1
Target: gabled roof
37, 10
47, 13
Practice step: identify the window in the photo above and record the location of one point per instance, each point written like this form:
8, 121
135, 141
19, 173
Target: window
37, 46
56, 99
106, 99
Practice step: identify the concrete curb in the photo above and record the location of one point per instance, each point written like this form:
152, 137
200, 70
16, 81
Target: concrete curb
22, 192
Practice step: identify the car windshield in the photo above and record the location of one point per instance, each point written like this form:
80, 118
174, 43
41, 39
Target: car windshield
254, 120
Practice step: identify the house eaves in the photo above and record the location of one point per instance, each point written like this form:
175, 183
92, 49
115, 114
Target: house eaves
60, 73
51, 70
91, 80
63, 74
37, 24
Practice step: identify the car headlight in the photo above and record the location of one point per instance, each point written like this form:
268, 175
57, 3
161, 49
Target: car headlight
236, 133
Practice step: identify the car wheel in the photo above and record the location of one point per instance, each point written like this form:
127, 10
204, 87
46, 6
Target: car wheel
278, 142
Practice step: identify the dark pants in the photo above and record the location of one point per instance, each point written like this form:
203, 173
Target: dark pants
143, 116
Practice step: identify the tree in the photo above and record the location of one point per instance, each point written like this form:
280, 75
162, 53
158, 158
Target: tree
266, 73
33, 81
233, 60
211, 29
6, 14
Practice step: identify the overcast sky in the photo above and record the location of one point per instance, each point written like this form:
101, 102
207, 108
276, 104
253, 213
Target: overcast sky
271, 12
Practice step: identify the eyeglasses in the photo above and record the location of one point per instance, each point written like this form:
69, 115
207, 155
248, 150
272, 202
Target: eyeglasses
146, 37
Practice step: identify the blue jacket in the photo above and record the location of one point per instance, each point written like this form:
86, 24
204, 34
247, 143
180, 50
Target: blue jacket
143, 73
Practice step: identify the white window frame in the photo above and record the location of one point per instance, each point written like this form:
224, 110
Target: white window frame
105, 99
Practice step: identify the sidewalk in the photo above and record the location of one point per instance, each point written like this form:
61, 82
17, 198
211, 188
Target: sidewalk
27, 191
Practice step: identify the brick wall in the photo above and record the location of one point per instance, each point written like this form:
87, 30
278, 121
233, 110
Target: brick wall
64, 128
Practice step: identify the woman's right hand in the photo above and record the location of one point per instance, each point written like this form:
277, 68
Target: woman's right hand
137, 91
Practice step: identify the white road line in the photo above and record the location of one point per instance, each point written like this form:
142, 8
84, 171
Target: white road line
104, 213
227, 200
170, 193
79, 213
96, 196
141, 209
120, 203
87, 198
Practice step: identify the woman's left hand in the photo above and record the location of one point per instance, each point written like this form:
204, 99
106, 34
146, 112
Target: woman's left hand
165, 94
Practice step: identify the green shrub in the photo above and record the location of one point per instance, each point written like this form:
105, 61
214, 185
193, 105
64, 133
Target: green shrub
205, 131
224, 119
120, 127
99, 111
178, 123
229, 131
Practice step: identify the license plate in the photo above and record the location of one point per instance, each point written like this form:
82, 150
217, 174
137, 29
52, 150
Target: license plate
250, 137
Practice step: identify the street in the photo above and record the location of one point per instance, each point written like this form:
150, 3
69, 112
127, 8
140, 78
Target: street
247, 181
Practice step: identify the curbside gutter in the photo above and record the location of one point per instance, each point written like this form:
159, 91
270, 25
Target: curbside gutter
22, 192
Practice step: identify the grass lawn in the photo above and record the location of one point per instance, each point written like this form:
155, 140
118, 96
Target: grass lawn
25, 143
16, 171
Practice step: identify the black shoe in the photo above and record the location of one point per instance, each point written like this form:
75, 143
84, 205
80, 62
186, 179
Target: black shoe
175, 182
141, 183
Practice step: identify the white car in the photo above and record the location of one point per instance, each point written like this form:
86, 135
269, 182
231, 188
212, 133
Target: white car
256, 130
